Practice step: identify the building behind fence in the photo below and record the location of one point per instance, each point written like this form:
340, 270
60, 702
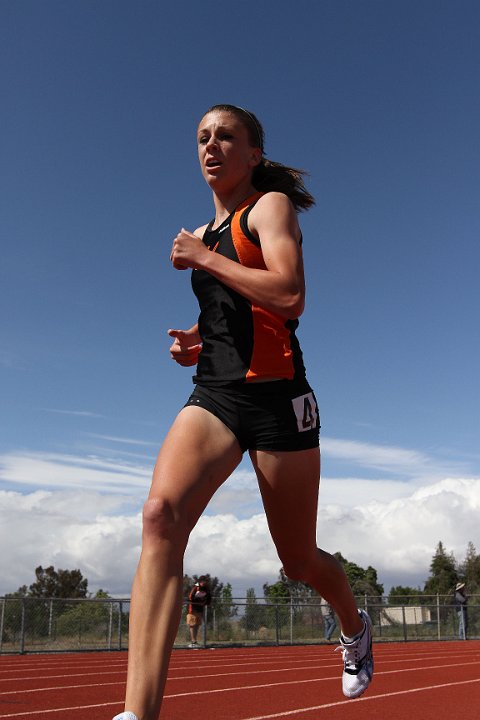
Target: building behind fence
57, 625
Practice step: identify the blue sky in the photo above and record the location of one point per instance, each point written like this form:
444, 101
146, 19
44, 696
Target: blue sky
100, 101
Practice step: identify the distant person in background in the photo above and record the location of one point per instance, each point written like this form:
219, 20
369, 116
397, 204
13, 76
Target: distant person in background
460, 600
199, 598
251, 396
329, 621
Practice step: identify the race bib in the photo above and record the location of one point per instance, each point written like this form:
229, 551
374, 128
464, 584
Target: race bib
306, 412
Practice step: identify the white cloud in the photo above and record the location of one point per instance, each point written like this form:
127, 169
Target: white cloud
370, 455
398, 536
67, 529
239, 551
85, 512
100, 535
48, 470
124, 440
75, 413
240, 493
403, 463
357, 491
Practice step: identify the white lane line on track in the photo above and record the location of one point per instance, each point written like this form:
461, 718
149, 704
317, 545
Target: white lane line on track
45, 666
59, 687
311, 680
326, 660
176, 679
180, 678
266, 717
65, 709
361, 699
326, 663
240, 687
64, 675
122, 664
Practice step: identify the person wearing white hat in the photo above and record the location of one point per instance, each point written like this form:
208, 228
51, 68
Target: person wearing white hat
461, 608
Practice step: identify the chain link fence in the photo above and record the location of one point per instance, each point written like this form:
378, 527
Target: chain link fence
30, 625
48, 625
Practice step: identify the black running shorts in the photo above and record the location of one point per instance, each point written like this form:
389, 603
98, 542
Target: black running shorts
276, 415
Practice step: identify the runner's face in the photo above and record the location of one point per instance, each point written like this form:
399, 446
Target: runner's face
224, 150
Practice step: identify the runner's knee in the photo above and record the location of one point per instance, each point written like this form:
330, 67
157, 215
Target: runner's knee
299, 568
161, 521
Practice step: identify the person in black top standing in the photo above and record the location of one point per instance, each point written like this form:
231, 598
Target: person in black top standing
199, 598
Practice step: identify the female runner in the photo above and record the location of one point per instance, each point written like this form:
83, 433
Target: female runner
251, 394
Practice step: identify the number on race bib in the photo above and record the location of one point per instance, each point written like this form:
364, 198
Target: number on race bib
306, 412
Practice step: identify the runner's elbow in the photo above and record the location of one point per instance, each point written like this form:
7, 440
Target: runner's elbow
294, 305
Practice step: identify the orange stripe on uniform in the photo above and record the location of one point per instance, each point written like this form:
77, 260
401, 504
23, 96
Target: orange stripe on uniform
272, 354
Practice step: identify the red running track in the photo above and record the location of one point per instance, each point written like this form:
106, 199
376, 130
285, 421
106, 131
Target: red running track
425, 680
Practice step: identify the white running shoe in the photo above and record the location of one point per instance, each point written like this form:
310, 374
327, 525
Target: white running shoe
357, 660
126, 716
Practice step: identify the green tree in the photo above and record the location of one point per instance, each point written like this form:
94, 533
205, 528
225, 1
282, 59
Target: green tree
91, 617
299, 592
405, 595
225, 602
35, 611
21, 592
278, 592
443, 573
469, 570
277, 597
305, 601
362, 582
62, 584
371, 579
254, 616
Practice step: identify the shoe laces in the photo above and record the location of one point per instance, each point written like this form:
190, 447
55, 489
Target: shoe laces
351, 651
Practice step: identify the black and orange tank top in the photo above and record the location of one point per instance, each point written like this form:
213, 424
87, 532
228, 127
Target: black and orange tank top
241, 342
